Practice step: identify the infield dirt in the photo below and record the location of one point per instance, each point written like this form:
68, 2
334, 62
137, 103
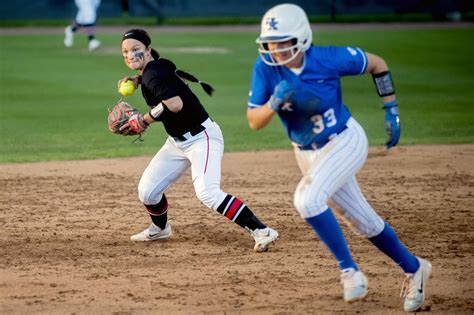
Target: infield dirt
65, 247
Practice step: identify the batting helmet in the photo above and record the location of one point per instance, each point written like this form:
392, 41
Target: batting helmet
282, 23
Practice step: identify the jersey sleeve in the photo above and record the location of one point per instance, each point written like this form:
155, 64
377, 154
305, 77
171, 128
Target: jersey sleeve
350, 60
158, 82
259, 88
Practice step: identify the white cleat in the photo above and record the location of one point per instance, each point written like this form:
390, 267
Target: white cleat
93, 44
68, 36
355, 285
413, 288
263, 238
152, 233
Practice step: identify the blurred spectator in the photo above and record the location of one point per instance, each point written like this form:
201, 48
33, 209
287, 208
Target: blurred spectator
86, 18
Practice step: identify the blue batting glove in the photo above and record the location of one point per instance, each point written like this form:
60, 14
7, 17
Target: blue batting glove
281, 94
392, 124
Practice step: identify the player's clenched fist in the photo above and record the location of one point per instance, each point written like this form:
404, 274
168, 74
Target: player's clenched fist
136, 80
281, 94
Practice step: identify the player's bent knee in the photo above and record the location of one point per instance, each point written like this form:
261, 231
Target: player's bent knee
308, 205
211, 197
148, 198
148, 195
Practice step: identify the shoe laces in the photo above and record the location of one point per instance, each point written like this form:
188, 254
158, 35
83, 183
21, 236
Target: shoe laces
408, 287
261, 232
349, 279
153, 228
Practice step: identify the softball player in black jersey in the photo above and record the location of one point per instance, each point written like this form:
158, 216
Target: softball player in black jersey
195, 141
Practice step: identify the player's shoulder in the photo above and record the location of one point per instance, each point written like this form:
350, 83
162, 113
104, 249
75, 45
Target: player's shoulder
324, 51
333, 55
262, 68
151, 68
328, 51
155, 68
259, 64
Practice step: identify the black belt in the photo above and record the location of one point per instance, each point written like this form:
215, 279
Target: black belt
193, 131
319, 145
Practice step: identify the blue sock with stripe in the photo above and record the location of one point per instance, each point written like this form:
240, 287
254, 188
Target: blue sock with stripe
327, 228
387, 242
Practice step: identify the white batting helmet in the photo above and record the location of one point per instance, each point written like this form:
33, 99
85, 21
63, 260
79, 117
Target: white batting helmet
282, 23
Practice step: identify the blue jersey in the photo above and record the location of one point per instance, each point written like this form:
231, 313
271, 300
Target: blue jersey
316, 111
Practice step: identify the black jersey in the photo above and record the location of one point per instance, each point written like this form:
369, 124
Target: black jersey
161, 83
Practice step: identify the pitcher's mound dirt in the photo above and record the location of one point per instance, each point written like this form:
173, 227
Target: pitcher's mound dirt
65, 248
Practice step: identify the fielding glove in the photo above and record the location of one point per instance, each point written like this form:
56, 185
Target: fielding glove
135, 125
119, 116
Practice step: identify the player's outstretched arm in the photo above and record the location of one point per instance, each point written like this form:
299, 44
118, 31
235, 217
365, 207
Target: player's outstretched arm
386, 90
376, 65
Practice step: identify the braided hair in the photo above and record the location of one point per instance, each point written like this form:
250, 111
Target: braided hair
143, 37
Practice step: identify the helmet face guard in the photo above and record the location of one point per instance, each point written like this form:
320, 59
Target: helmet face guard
267, 55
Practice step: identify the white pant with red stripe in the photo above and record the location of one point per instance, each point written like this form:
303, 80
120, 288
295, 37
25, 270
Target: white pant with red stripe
202, 152
330, 173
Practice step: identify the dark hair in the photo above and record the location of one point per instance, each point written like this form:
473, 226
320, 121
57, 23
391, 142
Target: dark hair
143, 37
168, 64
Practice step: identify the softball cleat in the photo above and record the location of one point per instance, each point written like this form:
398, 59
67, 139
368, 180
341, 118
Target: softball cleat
413, 288
355, 285
263, 238
152, 233
68, 36
94, 44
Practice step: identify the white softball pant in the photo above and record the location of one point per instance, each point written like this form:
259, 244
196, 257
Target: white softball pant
330, 172
202, 152
87, 11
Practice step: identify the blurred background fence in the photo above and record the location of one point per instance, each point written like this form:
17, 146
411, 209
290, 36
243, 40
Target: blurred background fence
238, 10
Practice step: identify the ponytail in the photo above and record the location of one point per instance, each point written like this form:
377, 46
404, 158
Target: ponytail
187, 76
155, 54
184, 75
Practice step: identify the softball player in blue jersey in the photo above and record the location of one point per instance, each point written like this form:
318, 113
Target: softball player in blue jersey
300, 83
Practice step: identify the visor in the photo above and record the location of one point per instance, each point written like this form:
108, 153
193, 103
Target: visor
274, 39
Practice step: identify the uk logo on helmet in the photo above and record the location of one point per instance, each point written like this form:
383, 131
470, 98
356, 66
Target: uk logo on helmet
271, 22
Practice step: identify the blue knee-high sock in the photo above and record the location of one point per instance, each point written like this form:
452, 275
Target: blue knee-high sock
326, 227
387, 241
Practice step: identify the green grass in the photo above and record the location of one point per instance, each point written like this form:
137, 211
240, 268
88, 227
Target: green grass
53, 100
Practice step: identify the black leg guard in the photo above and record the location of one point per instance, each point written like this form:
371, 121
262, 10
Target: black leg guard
235, 210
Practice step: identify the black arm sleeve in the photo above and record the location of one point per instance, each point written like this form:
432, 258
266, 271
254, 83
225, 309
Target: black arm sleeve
384, 83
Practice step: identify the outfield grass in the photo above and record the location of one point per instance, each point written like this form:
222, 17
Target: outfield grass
54, 100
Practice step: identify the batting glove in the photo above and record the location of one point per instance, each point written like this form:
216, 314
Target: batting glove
392, 123
281, 94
